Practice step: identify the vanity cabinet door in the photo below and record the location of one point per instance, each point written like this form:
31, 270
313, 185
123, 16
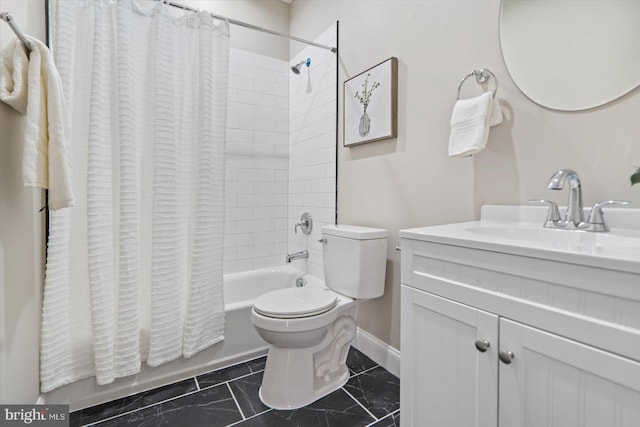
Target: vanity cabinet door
445, 380
553, 381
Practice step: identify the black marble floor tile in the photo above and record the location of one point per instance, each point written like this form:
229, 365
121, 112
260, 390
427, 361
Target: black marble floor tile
129, 403
392, 420
235, 371
257, 364
358, 362
336, 409
211, 407
377, 390
246, 390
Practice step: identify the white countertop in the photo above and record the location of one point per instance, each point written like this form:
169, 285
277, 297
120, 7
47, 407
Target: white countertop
519, 230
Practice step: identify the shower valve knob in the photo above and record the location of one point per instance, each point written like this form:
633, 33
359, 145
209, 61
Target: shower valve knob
305, 224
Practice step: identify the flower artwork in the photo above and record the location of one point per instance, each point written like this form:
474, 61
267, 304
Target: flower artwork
370, 104
364, 98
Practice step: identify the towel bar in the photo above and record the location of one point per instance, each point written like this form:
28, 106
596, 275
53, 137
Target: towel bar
482, 76
8, 18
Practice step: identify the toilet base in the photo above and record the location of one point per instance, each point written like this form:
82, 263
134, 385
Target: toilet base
296, 377
300, 403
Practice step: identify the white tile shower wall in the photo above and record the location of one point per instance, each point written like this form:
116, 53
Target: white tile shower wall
257, 162
312, 148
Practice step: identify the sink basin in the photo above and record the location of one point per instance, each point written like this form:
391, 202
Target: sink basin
519, 230
569, 240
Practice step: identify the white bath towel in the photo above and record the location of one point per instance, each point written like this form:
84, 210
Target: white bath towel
14, 64
470, 122
32, 86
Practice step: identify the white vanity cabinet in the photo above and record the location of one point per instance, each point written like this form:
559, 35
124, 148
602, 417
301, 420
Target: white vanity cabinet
556, 381
445, 381
573, 329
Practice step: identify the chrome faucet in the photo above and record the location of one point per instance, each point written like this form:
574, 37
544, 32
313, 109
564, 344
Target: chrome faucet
574, 218
297, 255
575, 215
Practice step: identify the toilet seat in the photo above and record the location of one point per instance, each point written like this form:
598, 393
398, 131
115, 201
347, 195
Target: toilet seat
291, 303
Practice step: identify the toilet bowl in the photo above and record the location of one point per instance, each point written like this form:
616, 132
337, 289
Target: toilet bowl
310, 328
301, 367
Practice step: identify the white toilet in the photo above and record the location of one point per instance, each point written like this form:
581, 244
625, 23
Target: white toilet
310, 328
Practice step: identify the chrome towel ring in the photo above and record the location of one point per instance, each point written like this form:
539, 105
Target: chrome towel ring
482, 76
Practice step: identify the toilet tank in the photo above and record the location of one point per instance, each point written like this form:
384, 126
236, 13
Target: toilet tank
355, 260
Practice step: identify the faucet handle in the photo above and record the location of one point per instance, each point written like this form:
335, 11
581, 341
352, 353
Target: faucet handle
553, 214
305, 224
597, 216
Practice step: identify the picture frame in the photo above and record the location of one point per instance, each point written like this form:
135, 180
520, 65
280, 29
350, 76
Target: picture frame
370, 104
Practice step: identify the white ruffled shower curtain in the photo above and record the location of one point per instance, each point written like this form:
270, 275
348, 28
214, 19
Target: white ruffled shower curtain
134, 270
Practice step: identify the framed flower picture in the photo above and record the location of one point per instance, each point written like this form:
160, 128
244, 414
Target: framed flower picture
371, 104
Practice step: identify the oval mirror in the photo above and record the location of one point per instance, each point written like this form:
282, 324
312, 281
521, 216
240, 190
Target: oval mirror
572, 54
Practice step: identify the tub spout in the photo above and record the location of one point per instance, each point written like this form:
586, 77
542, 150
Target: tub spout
297, 255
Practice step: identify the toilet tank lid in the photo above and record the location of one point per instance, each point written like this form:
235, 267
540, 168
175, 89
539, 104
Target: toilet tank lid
354, 232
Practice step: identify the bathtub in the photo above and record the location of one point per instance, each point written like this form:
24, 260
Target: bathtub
241, 343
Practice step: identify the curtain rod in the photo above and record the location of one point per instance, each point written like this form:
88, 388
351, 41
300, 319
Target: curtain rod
8, 18
251, 26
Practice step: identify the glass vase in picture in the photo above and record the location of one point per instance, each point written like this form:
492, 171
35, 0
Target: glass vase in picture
365, 124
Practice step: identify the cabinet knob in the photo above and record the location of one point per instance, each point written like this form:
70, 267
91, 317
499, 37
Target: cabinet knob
506, 357
482, 345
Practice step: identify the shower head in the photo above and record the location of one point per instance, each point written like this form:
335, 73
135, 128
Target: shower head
296, 68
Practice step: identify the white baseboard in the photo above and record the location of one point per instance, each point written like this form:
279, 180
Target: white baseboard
379, 351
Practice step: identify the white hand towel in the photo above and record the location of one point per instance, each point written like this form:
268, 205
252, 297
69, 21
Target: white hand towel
470, 125
495, 117
46, 155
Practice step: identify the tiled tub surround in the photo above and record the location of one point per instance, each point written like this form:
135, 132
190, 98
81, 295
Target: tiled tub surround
229, 396
257, 162
280, 156
312, 147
